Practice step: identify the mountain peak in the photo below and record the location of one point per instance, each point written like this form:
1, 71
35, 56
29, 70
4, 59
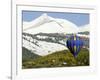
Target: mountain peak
48, 24
44, 15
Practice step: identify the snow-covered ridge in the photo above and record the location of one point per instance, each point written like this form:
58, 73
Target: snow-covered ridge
44, 45
83, 35
47, 24
84, 28
44, 48
37, 22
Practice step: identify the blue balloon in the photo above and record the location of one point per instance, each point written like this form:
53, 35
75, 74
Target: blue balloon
74, 44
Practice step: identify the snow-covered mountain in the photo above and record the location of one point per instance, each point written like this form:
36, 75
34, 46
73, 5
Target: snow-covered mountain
46, 34
84, 31
84, 28
47, 24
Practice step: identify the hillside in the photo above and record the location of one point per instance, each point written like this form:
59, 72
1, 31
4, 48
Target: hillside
59, 59
28, 55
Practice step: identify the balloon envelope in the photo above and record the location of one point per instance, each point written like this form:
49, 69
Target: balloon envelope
74, 44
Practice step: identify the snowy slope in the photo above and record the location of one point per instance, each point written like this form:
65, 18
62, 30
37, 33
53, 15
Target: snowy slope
83, 35
47, 24
50, 27
84, 28
43, 48
42, 45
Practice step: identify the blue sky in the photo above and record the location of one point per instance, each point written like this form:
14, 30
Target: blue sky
79, 19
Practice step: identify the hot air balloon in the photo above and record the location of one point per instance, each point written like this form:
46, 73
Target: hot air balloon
74, 44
